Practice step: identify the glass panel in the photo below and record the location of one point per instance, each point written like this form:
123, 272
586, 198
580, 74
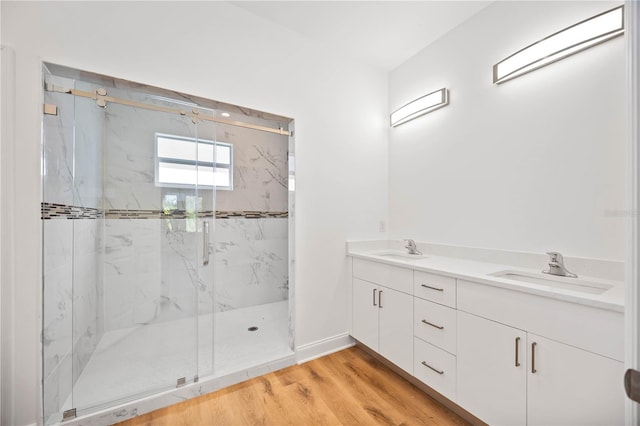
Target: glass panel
58, 252
252, 260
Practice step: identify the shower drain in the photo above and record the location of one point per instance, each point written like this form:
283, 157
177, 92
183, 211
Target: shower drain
254, 328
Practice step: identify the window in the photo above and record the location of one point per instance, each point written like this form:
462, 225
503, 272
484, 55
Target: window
183, 162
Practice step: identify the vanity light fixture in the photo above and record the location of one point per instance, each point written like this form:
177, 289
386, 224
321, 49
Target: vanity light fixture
566, 42
423, 105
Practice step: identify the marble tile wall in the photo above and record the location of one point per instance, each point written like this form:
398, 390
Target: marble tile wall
251, 258
248, 266
260, 171
132, 262
57, 334
72, 323
129, 156
57, 150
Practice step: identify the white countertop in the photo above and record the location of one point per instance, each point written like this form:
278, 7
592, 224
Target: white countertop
478, 271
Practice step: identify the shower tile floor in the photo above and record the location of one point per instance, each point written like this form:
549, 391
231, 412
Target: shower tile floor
134, 362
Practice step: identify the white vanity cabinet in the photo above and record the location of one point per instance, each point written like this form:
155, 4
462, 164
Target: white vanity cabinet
507, 375
507, 356
383, 312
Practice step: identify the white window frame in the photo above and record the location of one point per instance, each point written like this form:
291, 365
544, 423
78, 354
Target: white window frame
213, 165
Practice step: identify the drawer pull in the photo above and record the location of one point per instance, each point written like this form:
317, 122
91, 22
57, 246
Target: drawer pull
439, 327
517, 351
374, 296
432, 288
380, 299
533, 358
434, 369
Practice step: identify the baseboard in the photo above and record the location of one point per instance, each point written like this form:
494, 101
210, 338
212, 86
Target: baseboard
323, 347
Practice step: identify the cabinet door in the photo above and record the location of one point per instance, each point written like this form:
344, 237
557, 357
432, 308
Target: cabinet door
571, 386
396, 328
490, 384
365, 313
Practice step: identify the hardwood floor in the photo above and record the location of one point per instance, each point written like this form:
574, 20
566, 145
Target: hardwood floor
349, 387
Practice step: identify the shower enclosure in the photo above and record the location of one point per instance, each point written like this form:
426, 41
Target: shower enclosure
167, 254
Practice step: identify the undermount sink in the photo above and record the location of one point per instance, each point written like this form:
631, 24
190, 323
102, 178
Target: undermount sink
555, 282
396, 255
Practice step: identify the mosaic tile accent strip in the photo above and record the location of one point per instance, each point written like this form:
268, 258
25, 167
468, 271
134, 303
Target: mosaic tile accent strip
62, 211
153, 214
182, 214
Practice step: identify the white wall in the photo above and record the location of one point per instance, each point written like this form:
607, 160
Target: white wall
218, 51
534, 164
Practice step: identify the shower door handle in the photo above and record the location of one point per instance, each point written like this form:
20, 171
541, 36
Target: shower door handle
205, 243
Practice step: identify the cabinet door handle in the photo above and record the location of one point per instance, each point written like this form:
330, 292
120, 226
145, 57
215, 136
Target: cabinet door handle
434, 369
517, 351
374, 296
439, 327
432, 288
533, 357
380, 299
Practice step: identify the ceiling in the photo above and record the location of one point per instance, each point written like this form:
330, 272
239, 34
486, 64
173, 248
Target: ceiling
382, 34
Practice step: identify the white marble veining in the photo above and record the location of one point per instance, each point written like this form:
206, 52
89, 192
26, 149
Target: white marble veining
129, 155
250, 261
57, 150
480, 270
132, 272
133, 363
71, 325
187, 284
251, 258
87, 279
72, 149
260, 171
87, 151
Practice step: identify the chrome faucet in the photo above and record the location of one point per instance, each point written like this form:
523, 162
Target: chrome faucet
411, 246
556, 266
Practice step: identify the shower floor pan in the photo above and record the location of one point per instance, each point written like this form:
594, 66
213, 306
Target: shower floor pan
134, 362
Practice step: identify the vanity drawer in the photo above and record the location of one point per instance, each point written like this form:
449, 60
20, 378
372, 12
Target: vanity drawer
435, 324
435, 367
436, 288
400, 279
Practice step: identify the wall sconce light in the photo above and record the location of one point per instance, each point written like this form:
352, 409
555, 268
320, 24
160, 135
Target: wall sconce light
423, 105
566, 42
